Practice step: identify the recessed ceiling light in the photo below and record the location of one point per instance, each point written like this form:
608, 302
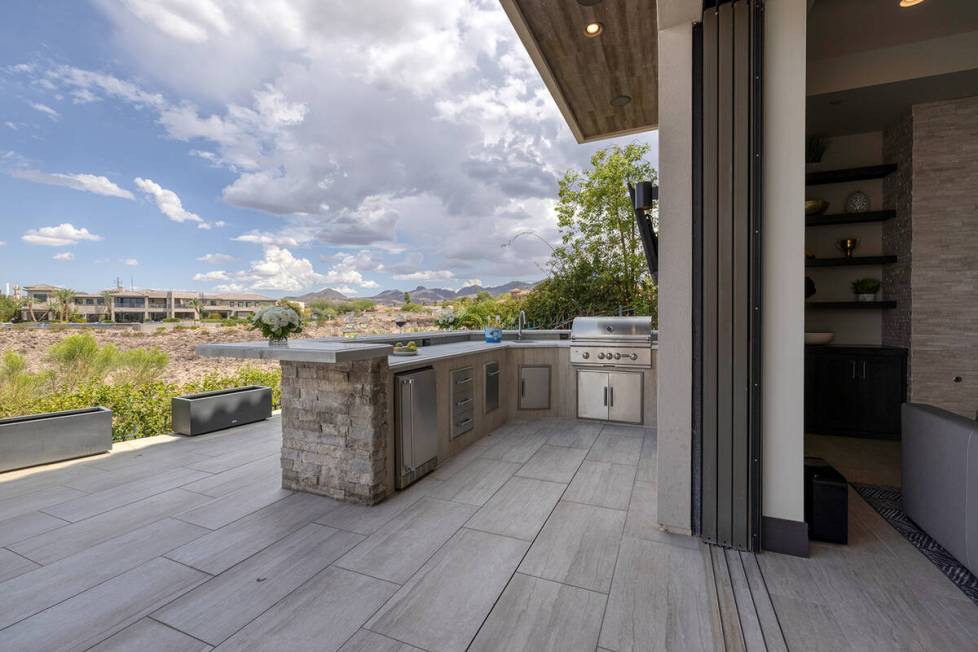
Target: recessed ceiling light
621, 100
593, 29
909, 3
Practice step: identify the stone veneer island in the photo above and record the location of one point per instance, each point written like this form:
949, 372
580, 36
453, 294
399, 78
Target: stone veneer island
335, 433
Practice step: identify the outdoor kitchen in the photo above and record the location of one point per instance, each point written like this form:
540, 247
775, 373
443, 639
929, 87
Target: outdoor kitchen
361, 420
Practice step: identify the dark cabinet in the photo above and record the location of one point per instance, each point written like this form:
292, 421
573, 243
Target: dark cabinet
855, 391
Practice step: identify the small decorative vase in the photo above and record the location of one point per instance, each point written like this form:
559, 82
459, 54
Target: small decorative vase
278, 341
857, 202
493, 335
848, 246
866, 297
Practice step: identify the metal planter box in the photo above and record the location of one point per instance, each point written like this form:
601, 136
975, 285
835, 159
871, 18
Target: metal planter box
196, 414
54, 436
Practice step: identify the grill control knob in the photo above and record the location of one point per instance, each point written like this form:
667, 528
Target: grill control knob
585, 355
618, 356
601, 356
634, 356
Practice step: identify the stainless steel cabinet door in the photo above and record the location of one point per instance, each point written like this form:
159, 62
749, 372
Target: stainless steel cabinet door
592, 395
492, 386
534, 388
625, 396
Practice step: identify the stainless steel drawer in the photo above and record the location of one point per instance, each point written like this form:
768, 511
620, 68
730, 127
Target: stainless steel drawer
462, 401
463, 422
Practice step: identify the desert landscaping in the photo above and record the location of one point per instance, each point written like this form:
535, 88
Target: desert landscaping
179, 343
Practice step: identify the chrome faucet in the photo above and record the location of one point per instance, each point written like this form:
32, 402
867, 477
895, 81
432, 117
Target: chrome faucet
520, 323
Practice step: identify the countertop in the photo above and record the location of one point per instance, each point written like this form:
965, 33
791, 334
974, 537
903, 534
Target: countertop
297, 351
427, 354
331, 351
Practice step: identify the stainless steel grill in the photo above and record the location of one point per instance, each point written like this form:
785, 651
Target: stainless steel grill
611, 342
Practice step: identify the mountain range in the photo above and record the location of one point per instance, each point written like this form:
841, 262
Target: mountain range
420, 294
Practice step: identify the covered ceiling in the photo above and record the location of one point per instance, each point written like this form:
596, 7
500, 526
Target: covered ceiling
590, 77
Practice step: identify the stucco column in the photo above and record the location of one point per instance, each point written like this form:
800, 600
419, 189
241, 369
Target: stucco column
783, 347
675, 353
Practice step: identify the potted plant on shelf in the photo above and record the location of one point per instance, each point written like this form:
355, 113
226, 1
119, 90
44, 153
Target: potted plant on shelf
277, 323
865, 289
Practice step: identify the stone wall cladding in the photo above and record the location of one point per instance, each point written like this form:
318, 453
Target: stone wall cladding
898, 233
334, 429
945, 250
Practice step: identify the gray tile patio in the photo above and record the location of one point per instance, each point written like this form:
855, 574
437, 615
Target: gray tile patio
542, 537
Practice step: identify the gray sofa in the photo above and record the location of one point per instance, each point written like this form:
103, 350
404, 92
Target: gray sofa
940, 478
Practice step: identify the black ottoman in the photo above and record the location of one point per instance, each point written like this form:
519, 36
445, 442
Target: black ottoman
826, 502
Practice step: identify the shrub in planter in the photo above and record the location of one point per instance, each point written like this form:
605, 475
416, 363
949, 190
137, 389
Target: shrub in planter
865, 289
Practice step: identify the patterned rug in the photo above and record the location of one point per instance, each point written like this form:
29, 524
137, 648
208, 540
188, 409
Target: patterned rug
888, 502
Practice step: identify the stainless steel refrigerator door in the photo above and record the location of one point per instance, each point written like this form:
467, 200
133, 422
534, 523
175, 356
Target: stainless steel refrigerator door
425, 426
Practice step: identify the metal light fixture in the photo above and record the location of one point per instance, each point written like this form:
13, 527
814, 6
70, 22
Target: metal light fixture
621, 100
646, 195
909, 3
593, 29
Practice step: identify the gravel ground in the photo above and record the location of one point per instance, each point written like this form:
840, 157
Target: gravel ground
185, 364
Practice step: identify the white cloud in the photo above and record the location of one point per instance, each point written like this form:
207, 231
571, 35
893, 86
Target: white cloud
230, 287
280, 270
65, 256
265, 238
58, 236
2, 243
46, 110
470, 282
86, 182
217, 275
167, 201
426, 275
347, 290
131, 262
216, 259
184, 21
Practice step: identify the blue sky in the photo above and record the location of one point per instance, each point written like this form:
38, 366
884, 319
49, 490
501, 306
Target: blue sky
246, 145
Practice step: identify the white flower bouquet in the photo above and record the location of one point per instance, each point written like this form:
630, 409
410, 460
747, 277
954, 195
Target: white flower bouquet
277, 323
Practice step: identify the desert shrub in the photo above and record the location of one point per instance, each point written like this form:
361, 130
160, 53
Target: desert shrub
138, 410
9, 307
141, 366
79, 360
170, 320
17, 385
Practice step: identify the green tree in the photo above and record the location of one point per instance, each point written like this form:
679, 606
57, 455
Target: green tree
65, 298
599, 266
9, 307
108, 303
407, 297
198, 305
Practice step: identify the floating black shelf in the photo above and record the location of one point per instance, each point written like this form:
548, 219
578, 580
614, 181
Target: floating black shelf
849, 262
849, 218
849, 174
850, 305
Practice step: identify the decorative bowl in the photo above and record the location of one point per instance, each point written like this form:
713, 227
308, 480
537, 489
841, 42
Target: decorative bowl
405, 351
819, 338
815, 207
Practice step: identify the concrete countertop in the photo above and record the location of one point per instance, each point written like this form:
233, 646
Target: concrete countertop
428, 354
331, 352
298, 351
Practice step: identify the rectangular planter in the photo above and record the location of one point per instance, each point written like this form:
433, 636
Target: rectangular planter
54, 436
196, 414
